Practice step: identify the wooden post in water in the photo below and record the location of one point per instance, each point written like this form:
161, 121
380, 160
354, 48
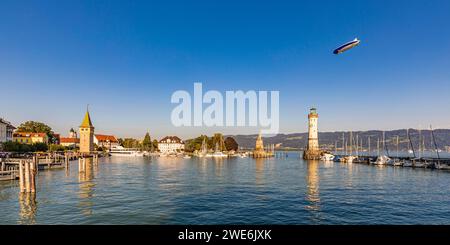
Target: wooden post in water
80, 168
27, 176
32, 176
36, 162
66, 160
3, 164
21, 177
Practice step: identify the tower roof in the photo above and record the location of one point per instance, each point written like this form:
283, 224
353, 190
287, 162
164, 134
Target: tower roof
87, 123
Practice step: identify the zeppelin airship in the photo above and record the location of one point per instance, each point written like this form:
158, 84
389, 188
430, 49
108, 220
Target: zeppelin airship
347, 46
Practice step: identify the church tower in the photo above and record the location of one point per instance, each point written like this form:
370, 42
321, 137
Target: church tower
86, 134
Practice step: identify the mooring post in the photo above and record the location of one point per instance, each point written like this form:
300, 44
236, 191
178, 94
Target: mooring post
3, 164
66, 160
79, 165
21, 177
27, 176
32, 176
36, 163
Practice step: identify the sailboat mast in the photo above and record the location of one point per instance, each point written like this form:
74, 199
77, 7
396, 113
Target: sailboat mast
351, 142
384, 144
434, 141
410, 143
397, 147
378, 146
420, 144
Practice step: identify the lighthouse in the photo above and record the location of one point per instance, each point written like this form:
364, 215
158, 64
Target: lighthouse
312, 151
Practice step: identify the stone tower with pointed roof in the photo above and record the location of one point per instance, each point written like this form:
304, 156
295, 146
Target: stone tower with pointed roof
86, 135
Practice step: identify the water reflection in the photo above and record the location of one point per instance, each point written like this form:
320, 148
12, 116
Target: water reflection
313, 192
218, 166
87, 187
259, 171
27, 208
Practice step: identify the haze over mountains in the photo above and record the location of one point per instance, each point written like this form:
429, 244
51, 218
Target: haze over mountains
328, 140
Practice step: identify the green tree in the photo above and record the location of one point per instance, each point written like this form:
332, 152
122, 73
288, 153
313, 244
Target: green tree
54, 147
231, 144
155, 145
195, 144
20, 147
217, 140
37, 127
131, 143
147, 142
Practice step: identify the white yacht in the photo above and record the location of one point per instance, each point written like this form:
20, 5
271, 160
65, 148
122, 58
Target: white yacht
348, 159
327, 157
398, 163
126, 152
382, 160
407, 164
218, 153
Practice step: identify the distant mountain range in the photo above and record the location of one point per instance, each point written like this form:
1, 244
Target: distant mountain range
328, 140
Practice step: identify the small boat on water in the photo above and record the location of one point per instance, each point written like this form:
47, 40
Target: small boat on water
398, 163
348, 159
407, 164
442, 166
417, 163
327, 157
217, 153
383, 160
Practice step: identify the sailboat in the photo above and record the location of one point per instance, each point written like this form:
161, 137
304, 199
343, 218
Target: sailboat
350, 157
383, 159
397, 161
204, 150
409, 162
217, 152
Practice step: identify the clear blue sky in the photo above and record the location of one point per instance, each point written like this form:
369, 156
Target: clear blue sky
131, 56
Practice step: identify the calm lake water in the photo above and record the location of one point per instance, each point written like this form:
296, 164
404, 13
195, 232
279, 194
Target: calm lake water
230, 191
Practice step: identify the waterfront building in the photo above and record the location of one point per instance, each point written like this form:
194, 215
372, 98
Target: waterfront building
259, 151
170, 144
72, 141
69, 142
86, 134
6, 131
106, 141
30, 138
312, 151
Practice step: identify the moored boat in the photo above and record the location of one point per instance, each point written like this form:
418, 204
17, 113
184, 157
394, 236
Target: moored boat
126, 152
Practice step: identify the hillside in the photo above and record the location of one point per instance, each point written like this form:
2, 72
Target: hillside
327, 140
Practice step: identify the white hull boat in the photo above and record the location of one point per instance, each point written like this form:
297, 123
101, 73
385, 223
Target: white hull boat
382, 160
327, 157
126, 152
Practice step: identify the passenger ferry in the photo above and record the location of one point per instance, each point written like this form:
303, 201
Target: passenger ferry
126, 152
